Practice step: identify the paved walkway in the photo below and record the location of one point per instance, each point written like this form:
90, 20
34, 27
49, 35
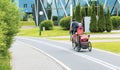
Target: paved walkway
27, 58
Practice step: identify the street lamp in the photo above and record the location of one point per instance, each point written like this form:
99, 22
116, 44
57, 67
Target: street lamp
40, 13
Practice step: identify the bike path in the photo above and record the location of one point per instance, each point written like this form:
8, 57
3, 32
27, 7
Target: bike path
95, 60
26, 58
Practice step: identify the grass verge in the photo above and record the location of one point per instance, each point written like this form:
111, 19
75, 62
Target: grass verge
57, 31
5, 63
90, 38
108, 46
27, 23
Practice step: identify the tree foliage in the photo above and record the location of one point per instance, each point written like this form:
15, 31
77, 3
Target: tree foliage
49, 10
109, 25
73, 13
65, 23
93, 21
89, 11
9, 19
48, 24
83, 12
77, 13
101, 20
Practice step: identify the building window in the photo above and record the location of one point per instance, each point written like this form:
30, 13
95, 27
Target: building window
25, 5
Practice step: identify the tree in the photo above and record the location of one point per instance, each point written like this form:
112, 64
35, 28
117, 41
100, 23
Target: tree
89, 11
109, 25
77, 13
83, 12
93, 21
9, 22
101, 20
73, 12
49, 10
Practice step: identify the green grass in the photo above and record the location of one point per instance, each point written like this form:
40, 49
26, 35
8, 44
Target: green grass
104, 33
90, 38
57, 31
29, 32
108, 46
5, 63
27, 23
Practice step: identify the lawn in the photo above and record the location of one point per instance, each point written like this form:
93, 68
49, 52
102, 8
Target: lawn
90, 38
108, 46
57, 31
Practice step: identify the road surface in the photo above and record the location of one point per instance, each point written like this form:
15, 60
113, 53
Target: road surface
84, 60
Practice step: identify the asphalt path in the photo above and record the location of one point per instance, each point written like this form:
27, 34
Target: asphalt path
84, 60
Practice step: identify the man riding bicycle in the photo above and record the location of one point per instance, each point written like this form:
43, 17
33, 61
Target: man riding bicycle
73, 27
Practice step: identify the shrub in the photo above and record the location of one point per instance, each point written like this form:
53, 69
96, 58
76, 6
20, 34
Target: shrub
65, 23
25, 17
48, 24
8, 23
116, 22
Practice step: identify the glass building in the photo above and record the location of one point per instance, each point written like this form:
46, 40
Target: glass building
61, 8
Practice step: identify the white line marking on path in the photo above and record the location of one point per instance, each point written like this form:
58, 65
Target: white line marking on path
103, 63
59, 62
93, 48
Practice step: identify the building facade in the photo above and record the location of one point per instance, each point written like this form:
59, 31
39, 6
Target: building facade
61, 8
25, 5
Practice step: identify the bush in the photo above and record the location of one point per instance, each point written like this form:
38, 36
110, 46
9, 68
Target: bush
9, 20
65, 23
116, 22
48, 24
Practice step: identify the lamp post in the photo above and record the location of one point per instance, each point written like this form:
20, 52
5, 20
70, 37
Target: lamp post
40, 13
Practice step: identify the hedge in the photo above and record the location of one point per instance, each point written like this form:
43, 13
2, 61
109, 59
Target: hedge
65, 23
116, 22
48, 24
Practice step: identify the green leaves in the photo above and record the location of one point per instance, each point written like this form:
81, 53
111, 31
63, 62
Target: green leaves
101, 20
93, 21
48, 24
77, 13
9, 19
65, 23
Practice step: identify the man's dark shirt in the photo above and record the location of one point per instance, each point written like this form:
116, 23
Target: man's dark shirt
74, 26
